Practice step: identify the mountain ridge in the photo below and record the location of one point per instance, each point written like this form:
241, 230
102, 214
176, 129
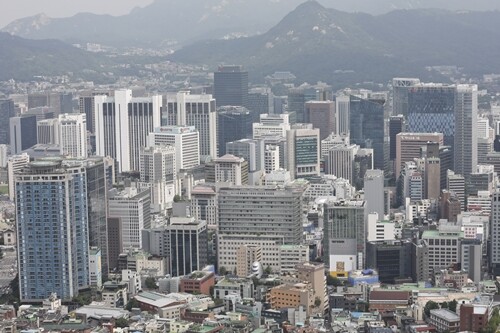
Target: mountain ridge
23, 59
166, 21
318, 43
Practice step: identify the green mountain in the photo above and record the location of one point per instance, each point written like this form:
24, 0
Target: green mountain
22, 59
317, 43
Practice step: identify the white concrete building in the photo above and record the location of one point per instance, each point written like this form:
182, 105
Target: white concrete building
15, 164
122, 124
73, 135
48, 131
303, 147
159, 172
231, 169
184, 109
185, 140
379, 230
271, 158
133, 209
271, 125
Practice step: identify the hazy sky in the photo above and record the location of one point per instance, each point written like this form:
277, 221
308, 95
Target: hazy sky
14, 9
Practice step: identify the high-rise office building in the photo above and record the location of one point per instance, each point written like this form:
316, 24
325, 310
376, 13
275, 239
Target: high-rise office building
48, 131
390, 259
184, 109
271, 158
260, 101
52, 229
251, 150
297, 97
231, 169
271, 125
86, 106
431, 108
366, 126
271, 211
321, 114
6, 111
374, 192
400, 88
159, 173
344, 240
231, 86
204, 204
158, 164
233, 123
99, 172
41, 113
122, 124
494, 255
432, 180
456, 183
184, 139
465, 142
339, 161
22, 133
396, 126
59, 102
303, 151
188, 245
73, 135
409, 146
342, 114
132, 208
15, 163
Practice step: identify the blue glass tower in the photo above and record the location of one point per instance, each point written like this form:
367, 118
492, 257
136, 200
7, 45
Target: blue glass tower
52, 225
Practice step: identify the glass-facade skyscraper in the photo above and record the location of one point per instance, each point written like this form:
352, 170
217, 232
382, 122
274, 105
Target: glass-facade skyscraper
6, 111
52, 226
231, 86
233, 123
367, 126
431, 108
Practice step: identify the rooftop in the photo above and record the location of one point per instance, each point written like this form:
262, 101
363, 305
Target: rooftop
445, 314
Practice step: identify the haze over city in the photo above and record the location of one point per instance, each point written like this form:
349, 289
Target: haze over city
264, 166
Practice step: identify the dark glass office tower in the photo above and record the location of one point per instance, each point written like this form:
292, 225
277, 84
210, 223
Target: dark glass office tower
231, 86
233, 123
6, 111
188, 245
367, 126
396, 126
22, 133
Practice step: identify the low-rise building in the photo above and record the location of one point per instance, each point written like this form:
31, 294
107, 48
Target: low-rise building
445, 320
114, 294
473, 317
226, 286
198, 282
293, 296
387, 300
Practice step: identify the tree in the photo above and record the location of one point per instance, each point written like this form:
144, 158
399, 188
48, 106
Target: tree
317, 302
177, 198
493, 323
132, 304
121, 322
222, 270
430, 305
333, 281
151, 283
452, 306
268, 270
444, 305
